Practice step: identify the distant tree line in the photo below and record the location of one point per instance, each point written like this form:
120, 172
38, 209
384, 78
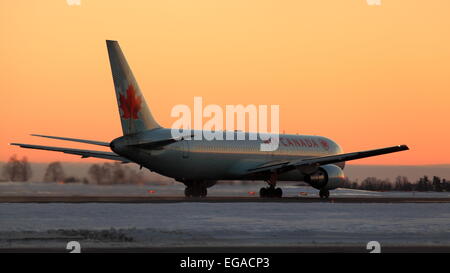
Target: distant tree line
17, 170
116, 173
401, 183
55, 173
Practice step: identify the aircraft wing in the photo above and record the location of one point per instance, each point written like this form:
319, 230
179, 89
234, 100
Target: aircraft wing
285, 166
80, 152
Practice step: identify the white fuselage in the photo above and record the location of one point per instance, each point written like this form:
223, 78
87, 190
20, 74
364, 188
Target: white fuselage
220, 159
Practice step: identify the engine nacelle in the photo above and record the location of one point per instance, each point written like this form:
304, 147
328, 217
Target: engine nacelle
327, 177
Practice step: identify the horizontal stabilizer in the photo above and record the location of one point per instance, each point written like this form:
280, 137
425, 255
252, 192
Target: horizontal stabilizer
160, 143
80, 152
93, 142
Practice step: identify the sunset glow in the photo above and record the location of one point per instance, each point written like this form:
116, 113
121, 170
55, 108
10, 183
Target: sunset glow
365, 76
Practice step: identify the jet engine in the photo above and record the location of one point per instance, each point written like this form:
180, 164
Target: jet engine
327, 177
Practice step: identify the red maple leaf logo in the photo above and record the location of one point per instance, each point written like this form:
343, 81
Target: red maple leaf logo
130, 105
324, 144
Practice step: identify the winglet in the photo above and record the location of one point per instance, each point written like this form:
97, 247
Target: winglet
403, 147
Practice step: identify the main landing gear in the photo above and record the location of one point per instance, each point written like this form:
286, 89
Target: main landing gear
324, 194
196, 189
271, 190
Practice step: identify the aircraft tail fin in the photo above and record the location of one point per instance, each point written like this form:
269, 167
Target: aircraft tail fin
135, 115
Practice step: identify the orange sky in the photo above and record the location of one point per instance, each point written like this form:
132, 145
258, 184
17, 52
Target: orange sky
365, 76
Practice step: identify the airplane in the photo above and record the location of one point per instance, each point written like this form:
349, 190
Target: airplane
199, 164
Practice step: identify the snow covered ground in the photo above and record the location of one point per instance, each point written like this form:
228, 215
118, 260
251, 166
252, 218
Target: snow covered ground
223, 224
177, 189
217, 224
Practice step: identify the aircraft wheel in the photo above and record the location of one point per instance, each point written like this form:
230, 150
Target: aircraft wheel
324, 194
195, 189
270, 192
196, 192
278, 192
188, 192
203, 192
263, 192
